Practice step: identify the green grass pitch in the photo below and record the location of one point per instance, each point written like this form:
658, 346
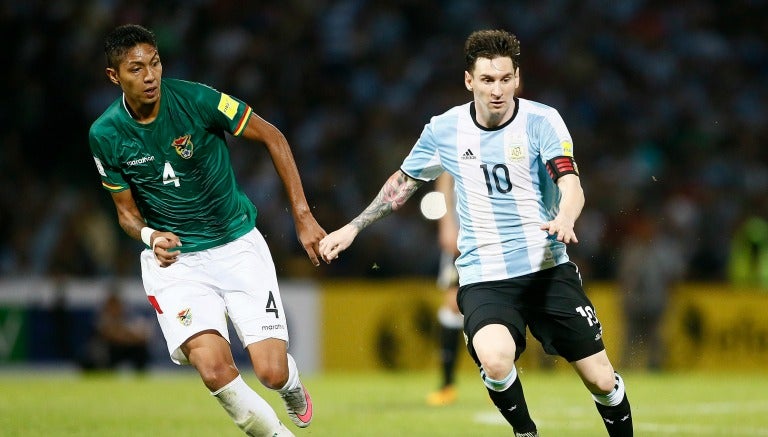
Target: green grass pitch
377, 404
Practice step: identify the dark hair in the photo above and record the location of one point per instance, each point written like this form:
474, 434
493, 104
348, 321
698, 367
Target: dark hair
123, 38
491, 44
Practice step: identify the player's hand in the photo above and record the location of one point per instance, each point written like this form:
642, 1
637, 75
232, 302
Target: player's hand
310, 233
562, 228
165, 247
336, 242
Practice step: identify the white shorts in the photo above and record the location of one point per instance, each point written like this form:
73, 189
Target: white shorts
200, 290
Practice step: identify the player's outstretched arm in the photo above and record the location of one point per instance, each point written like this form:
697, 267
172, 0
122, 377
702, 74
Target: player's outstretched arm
571, 204
308, 230
395, 192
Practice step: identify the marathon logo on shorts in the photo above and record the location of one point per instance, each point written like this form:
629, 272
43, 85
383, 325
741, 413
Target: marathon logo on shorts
277, 327
184, 146
185, 317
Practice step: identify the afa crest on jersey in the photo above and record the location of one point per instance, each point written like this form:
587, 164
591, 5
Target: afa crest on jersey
184, 146
515, 150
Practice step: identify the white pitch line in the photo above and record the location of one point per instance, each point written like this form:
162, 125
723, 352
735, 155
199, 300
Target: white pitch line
495, 418
489, 418
661, 428
710, 408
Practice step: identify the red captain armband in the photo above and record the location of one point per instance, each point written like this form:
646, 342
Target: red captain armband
560, 166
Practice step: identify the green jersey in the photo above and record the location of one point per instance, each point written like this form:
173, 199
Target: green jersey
178, 166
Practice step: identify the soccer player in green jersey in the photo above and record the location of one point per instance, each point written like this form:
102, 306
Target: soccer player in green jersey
161, 152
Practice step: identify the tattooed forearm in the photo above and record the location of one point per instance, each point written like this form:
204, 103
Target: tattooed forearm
395, 192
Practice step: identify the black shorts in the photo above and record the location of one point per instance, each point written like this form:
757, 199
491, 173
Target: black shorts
551, 303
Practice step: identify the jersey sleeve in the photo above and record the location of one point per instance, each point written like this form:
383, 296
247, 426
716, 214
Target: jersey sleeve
423, 162
223, 111
554, 138
111, 178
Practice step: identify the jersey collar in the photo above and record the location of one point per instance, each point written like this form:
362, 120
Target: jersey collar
473, 115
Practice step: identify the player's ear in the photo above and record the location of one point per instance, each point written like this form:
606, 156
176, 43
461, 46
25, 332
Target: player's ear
468, 80
112, 75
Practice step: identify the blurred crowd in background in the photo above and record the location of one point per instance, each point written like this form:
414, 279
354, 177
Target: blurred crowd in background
666, 103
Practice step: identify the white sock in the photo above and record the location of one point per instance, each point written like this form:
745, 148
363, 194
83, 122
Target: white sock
248, 410
293, 375
613, 398
500, 385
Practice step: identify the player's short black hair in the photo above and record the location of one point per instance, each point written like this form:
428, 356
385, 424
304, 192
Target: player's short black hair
491, 44
123, 38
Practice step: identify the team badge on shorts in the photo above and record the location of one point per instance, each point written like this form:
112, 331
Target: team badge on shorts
184, 146
185, 317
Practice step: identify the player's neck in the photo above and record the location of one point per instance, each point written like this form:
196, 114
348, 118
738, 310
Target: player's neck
494, 120
142, 113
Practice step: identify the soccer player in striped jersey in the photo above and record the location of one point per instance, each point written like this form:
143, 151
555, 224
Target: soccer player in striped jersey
518, 196
161, 152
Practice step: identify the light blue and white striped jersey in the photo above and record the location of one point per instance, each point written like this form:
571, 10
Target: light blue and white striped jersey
503, 190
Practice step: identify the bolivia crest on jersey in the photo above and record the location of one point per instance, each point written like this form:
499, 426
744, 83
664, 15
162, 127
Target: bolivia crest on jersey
184, 146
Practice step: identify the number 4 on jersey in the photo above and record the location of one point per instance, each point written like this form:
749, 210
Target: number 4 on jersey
169, 176
272, 305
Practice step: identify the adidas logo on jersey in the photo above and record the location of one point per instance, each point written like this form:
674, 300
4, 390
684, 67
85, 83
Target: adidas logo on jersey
468, 155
